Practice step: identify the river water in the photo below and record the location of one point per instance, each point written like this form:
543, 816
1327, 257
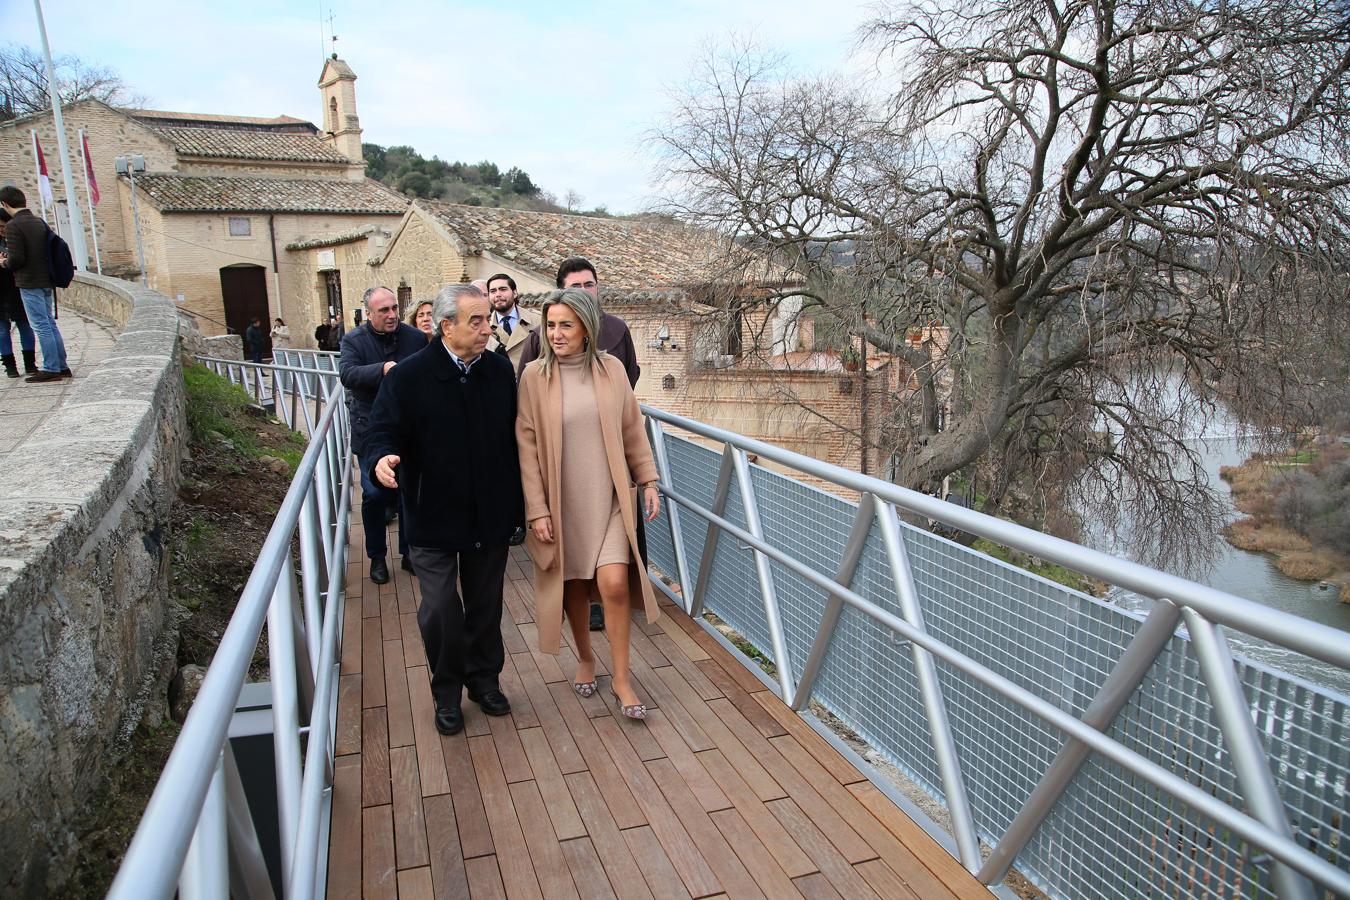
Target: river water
1254, 576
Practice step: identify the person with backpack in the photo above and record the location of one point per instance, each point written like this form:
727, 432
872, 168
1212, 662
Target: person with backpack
12, 315
29, 257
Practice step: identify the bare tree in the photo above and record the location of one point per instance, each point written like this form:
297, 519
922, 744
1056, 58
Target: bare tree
23, 83
572, 200
1112, 206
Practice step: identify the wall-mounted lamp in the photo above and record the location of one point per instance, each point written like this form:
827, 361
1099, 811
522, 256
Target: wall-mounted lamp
662, 340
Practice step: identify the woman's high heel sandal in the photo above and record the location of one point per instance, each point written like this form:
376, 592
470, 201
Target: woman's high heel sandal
631, 710
584, 689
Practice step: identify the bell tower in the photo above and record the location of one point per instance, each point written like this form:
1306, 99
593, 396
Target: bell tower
337, 85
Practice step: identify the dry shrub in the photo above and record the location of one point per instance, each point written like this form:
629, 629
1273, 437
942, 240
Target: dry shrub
1345, 592
1305, 566
1244, 534
1278, 539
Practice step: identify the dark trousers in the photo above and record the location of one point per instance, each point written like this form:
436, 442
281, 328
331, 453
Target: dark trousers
462, 634
375, 500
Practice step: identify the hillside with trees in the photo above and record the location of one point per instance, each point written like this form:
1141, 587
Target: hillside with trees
475, 184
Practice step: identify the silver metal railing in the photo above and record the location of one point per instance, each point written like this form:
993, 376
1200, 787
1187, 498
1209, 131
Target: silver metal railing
197, 833
1108, 754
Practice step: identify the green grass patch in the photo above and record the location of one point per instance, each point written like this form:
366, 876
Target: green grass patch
222, 416
1047, 570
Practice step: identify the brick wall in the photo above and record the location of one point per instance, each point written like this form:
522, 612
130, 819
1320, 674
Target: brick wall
110, 135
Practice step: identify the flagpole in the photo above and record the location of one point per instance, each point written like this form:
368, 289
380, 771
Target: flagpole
37, 170
88, 192
77, 245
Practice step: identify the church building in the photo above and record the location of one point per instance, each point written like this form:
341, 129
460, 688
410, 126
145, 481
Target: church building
221, 200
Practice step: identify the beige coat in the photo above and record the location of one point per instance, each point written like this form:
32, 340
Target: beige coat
514, 343
629, 455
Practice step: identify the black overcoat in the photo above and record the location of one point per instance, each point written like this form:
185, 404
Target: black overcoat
456, 436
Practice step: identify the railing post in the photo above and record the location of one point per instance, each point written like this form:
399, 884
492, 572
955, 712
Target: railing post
718, 508
285, 711
834, 604
768, 594
206, 871
657, 436
312, 569
935, 708
1150, 640
1234, 716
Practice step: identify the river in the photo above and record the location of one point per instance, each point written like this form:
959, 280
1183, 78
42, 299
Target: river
1254, 576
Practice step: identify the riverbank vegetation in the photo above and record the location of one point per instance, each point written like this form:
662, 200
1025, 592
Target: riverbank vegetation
1298, 509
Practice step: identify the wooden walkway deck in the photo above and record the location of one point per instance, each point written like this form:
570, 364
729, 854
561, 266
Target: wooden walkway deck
723, 791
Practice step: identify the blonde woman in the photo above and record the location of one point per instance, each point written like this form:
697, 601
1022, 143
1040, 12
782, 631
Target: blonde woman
419, 317
582, 448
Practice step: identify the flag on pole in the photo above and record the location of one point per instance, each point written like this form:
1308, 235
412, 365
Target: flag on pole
44, 182
89, 170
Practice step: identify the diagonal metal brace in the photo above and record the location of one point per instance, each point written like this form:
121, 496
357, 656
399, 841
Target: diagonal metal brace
834, 605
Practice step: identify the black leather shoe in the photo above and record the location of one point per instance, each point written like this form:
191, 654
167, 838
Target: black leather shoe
379, 571
407, 566
492, 701
43, 375
449, 720
597, 617
517, 536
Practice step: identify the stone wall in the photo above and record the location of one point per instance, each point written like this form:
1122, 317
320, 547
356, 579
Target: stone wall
86, 630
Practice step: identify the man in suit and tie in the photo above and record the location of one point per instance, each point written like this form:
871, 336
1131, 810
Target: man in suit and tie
511, 325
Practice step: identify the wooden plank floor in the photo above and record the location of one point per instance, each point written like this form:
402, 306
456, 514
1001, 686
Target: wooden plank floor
723, 791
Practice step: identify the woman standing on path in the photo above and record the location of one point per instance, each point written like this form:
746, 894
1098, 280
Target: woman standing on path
281, 335
582, 447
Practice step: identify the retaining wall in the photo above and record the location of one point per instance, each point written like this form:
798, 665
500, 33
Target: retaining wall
86, 628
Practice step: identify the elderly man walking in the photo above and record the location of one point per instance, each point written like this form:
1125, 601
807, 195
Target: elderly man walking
368, 354
26, 239
443, 430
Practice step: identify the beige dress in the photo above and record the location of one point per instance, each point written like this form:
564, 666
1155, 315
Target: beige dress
591, 520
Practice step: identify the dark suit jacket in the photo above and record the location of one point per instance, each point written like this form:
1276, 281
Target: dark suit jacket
26, 237
361, 369
455, 434
615, 339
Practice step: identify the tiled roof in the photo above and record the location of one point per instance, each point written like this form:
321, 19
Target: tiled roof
201, 193
332, 240
628, 254
250, 144
160, 115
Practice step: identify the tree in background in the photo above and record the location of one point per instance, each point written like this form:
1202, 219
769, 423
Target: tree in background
23, 83
1112, 207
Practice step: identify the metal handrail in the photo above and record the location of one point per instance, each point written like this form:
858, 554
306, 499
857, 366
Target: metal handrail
198, 797
1264, 824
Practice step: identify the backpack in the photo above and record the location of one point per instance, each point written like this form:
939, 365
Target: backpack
60, 264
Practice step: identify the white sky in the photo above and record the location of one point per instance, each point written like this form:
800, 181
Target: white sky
563, 90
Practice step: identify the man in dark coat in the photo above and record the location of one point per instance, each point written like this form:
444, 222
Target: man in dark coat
443, 431
617, 341
12, 314
368, 355
26, 257
254, 339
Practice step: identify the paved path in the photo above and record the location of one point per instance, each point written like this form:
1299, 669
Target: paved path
23, 406
724, 791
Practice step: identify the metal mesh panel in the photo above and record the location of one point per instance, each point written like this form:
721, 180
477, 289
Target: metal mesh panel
1110, 834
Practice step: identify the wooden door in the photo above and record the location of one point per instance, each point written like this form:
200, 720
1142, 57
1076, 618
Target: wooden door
244, 292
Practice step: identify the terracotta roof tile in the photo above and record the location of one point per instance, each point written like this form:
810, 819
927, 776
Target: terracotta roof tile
251, 144
217, 119
628, 254
201, 193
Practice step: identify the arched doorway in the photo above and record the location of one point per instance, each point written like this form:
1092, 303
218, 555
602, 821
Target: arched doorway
243, 290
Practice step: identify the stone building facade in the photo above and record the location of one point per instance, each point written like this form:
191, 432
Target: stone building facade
220, 201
